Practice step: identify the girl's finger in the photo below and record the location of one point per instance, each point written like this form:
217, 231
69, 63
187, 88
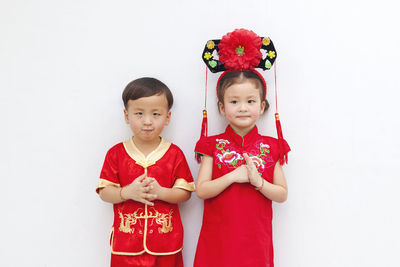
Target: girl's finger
249, 171
248, 159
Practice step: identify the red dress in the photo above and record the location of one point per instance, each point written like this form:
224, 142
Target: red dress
237, 224
145, 235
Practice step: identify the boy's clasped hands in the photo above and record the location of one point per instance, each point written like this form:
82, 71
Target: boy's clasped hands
143, 189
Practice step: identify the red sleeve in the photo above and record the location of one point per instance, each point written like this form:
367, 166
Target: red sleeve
109, 173
283, 150
286, 147
205, 146
182, 176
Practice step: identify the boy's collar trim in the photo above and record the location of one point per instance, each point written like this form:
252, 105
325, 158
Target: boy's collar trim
132, 150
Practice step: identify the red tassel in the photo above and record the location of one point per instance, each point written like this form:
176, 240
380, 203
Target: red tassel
283, 157
204, 132
204, 125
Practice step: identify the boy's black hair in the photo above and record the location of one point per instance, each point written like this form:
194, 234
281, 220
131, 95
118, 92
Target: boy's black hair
144, 87
232, 77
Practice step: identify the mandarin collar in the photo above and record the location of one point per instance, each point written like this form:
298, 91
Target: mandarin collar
242, 141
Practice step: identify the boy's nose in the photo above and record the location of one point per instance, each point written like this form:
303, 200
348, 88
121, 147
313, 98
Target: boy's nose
147, 120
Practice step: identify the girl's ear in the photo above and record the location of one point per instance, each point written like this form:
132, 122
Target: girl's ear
168, 118
221, 108
126, 116
262, 107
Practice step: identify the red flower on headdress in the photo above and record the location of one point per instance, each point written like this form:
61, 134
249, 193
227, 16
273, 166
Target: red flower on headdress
240, 50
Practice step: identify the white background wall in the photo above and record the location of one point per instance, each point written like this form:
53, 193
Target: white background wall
64, 64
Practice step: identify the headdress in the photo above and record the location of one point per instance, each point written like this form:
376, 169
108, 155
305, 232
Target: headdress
242, 50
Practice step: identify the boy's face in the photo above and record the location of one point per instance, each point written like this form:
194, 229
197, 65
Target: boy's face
147, 117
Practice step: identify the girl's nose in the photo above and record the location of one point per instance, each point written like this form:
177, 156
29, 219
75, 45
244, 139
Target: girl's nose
243, 107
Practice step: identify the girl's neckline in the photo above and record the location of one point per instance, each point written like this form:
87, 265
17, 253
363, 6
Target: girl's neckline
243, 134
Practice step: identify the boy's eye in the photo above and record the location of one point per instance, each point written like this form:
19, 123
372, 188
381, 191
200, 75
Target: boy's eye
156, 114
139, 113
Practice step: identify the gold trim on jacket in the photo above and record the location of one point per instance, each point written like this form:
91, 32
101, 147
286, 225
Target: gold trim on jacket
183, 184
151, 158
103, 183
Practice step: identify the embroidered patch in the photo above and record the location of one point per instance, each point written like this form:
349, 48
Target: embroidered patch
127, 220
228, 155
130, 219
264, 148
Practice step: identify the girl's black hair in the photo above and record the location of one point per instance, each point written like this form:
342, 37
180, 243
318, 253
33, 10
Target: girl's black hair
232, 77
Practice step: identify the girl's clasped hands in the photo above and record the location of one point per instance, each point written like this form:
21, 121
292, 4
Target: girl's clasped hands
248, 173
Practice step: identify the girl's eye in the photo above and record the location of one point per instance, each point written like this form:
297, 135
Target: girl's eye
234, 102
156, 114
251, 101
139, 113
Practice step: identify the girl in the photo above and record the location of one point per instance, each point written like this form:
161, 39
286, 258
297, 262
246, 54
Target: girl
240, 174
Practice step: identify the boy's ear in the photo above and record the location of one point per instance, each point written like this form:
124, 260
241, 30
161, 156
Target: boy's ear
168, 118
126, 116
221, 108
262, 107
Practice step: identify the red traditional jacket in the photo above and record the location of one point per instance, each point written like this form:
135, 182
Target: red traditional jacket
139, 228
237, 224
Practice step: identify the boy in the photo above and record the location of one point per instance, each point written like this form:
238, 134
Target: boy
145, 177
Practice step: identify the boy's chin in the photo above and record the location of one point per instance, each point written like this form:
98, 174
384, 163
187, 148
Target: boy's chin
148, 137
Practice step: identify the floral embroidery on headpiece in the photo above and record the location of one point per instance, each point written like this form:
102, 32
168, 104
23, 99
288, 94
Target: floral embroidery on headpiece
240, 50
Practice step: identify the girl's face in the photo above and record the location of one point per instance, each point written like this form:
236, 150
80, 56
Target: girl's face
147, 117
242, 106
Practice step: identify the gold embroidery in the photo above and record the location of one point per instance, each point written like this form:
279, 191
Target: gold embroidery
145, 249
127, 220
162, 219
130, 219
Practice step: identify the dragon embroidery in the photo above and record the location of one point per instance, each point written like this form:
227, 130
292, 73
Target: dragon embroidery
130, 219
